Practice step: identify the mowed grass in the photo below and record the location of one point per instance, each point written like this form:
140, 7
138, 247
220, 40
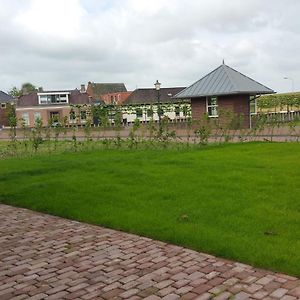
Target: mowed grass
238, 201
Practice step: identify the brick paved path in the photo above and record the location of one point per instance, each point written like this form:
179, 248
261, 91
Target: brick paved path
42, 256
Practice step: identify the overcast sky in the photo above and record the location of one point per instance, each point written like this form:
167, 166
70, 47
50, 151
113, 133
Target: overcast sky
60, 44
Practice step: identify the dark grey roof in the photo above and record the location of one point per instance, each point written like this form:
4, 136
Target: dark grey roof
224, 81
148, 96
5, 98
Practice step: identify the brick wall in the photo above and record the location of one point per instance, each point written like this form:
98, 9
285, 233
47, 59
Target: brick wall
115, 98
238, 104
4, 115
198, 107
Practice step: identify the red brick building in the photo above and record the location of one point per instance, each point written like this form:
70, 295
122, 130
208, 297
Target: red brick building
109, 93
6, 102
72, 105
224, 90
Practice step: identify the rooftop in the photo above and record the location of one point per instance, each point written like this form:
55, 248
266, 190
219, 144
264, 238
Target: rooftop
5, 98
149, 95
224, 80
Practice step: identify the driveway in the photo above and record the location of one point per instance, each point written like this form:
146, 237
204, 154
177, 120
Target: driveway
46, 257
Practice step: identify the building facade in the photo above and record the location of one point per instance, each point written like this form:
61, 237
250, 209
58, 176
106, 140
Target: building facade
149, 104
109, 93
53, 107
222, 92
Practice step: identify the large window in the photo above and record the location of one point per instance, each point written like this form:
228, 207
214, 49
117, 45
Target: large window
37, 116
53, 98
212, 106
25, 118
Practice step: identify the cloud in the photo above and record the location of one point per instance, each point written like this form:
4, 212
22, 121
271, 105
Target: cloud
63, 43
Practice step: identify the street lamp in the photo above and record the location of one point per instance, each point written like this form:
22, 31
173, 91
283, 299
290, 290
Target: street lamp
292, 81
157, 85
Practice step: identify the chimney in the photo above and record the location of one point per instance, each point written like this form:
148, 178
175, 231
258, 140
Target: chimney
40, 89
82, 88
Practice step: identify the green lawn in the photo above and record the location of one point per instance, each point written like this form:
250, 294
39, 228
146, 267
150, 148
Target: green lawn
239, 201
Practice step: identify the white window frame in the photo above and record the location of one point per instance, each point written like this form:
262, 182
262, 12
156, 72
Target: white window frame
212, 106
37, 115
66, 96
25, 118
3, 105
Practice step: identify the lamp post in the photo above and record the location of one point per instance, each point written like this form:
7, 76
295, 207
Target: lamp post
157, 85
292, 81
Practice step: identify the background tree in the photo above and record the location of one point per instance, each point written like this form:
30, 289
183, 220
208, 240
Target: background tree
26, 87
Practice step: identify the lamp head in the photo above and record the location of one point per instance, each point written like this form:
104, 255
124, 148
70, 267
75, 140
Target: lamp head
157, 85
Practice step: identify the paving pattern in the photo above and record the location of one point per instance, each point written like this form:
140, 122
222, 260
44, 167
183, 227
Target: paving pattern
46, 257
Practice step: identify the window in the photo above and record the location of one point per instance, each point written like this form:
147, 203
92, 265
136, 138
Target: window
212, 106
253, 107
83, 115
54, 116
43, 99
160, 111
37, 115
72, 115
149, 113
3, 105
139, 113
177, 111
53, 98
25, 119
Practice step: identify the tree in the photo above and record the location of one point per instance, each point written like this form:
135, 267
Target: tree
15, 92
26, 87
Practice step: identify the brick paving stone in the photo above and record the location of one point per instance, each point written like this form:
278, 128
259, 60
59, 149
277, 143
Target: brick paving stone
205, 296
287, 297
184, 290
46, 257
295, 292
279, 293
223, 296
129, 293
171, 297
188, 296
202, 288
241, 296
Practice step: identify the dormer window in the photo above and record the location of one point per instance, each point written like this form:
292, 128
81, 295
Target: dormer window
53, 98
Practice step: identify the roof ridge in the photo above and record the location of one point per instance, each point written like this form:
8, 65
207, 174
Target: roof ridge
229, 76
190, 86
107, 83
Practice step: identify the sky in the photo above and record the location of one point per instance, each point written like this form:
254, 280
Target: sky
61, 44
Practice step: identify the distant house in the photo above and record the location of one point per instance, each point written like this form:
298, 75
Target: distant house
143, 104
224, 89
109, 93
6, 101
68, 106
